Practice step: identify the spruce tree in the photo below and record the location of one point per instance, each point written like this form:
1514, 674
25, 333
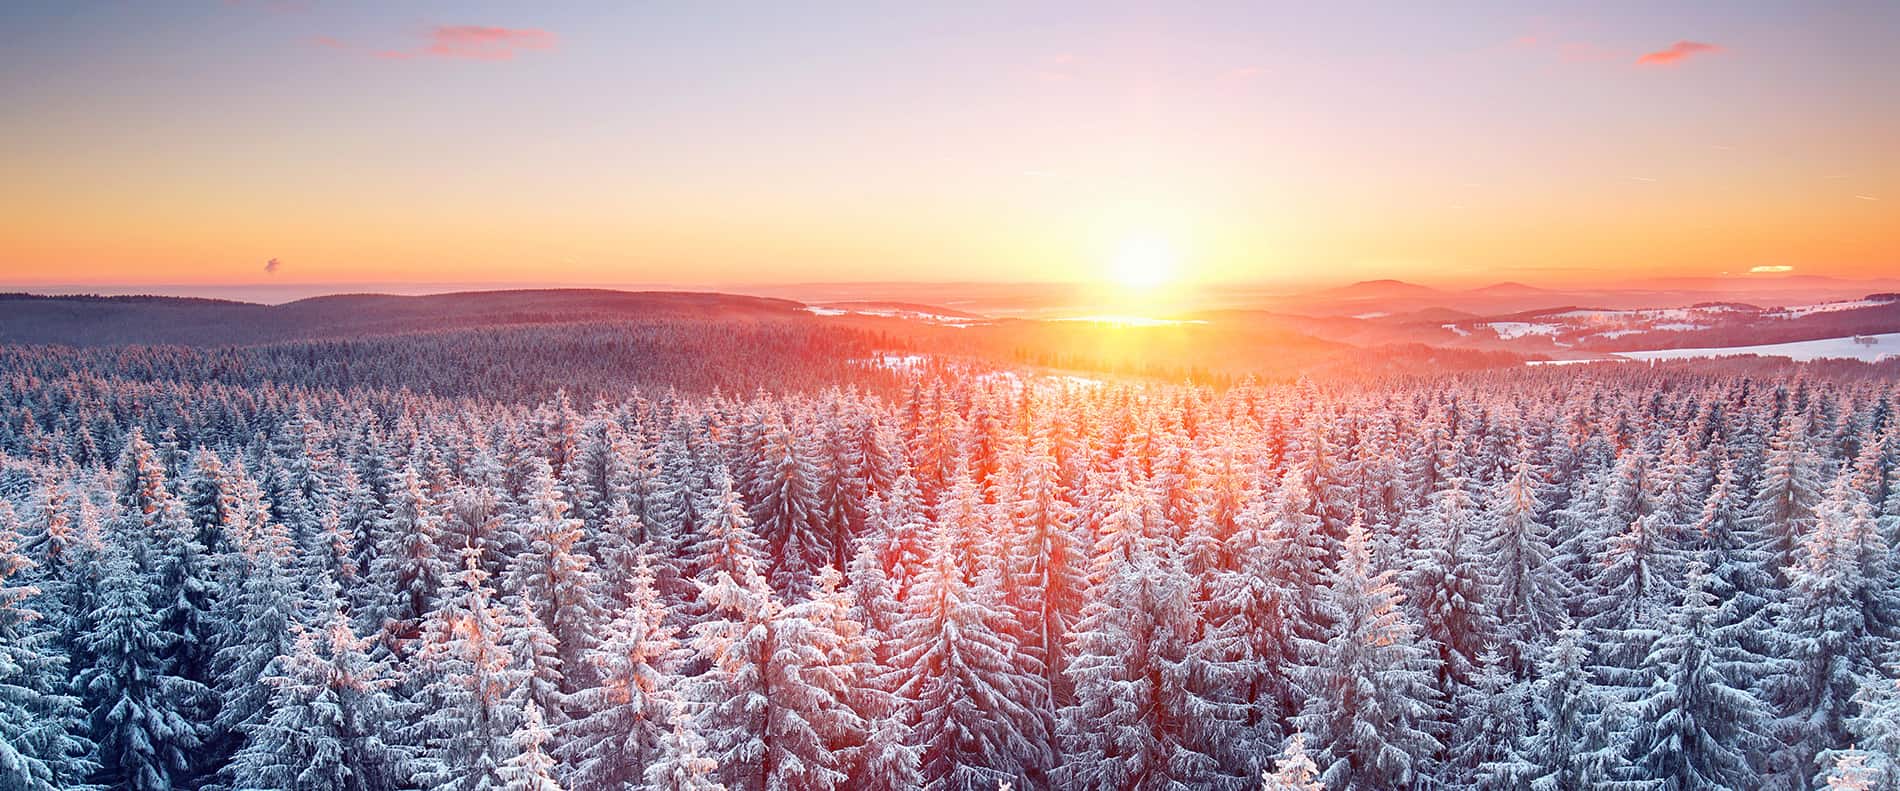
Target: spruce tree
1137, 721
1371, 702
43, 746
1528, 596
138, 713
977, 719
1840, 618
620, 723
1448, 585
1700, 723
258, 616
328, 711
767, 724
1570, 747
530, 769
553, 579
470, 711
1875, 751
683, 764
1486, 748
1294, 770
785, 509
411, 566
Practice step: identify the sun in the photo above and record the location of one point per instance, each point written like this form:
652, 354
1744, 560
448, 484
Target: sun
1144, 262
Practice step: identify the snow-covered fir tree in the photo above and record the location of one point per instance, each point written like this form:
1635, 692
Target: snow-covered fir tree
140, 715
1370, 697
769, 705
43, 746
1699, 723
974, 698
469, 708
1294, 770
329, 721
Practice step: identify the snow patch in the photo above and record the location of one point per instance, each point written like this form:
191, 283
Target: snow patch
1797, 311
1868, 348
1512, 330
907, 362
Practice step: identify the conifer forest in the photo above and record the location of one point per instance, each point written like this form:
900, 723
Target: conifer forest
1614, 577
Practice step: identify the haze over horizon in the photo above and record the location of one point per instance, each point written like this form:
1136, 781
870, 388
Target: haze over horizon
274, 144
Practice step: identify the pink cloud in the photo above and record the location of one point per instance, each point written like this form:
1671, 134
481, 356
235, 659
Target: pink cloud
472, 42
481, 42
1676, 53
328, 42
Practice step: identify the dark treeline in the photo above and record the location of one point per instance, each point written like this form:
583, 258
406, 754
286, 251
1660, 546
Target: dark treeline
509, 363
246, 569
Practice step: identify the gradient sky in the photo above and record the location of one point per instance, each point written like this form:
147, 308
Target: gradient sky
707, 142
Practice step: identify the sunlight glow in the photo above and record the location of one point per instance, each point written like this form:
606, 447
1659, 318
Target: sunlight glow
1129, 320
1144, 262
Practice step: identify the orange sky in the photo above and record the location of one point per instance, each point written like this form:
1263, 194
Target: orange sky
1267, 143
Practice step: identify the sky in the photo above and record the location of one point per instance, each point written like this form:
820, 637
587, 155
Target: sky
308, 142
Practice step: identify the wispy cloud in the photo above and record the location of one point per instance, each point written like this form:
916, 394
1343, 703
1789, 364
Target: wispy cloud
272, 265
1676, 53
1562, 47
1769, 270
487, 43
477, 42
1866, 197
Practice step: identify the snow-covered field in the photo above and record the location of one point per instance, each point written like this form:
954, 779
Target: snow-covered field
1511, 330
1851, 347
1797, 311
894, 313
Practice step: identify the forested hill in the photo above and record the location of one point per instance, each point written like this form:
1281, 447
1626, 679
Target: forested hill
522, 346
510, 346
148, 320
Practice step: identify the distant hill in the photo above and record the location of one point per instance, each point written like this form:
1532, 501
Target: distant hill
1433, 316
1377, 289
1508, 288
526, 343
110, 321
